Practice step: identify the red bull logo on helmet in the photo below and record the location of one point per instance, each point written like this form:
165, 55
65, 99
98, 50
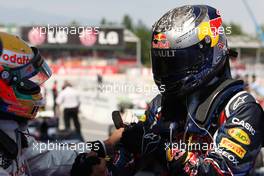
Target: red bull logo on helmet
160, 37
160, 41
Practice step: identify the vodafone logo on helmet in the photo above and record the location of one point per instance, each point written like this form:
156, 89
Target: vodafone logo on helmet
15, 59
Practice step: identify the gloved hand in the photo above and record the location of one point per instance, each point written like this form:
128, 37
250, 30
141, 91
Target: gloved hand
115, 137
140, 139
122, 158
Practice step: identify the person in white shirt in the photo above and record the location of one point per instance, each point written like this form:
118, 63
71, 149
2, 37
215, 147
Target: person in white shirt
68, 98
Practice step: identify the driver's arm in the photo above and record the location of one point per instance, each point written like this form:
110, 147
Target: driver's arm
58, 161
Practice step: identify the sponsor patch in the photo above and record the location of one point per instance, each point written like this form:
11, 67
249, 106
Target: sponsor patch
15, 59
239, 135
229, 156
233, 147
160, 41
174, 154
164, 53
221, 45
239, 101
244, 124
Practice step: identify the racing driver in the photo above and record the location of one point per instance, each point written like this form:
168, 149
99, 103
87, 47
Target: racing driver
203, 122
22, 71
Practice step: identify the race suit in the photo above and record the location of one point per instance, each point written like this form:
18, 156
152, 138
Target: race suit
236, 137
35, 159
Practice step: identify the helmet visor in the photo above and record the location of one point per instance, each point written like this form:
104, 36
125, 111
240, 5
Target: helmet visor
37, 70
43, 74
167, 62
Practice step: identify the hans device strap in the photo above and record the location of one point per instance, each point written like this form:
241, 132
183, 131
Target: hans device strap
217, 99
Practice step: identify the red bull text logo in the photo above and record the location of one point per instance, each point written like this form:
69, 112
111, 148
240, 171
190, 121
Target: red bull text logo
160, 41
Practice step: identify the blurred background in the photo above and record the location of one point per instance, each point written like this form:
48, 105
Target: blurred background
110, 66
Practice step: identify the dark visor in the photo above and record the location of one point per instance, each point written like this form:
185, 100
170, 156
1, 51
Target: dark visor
166, 62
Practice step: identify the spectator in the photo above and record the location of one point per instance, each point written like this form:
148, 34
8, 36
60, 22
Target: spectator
43, 91
99, 81
254, 83
99, 84
246, 79
256, 87
69, 100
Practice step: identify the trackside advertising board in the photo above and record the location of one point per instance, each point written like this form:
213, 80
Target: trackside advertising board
90, 37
